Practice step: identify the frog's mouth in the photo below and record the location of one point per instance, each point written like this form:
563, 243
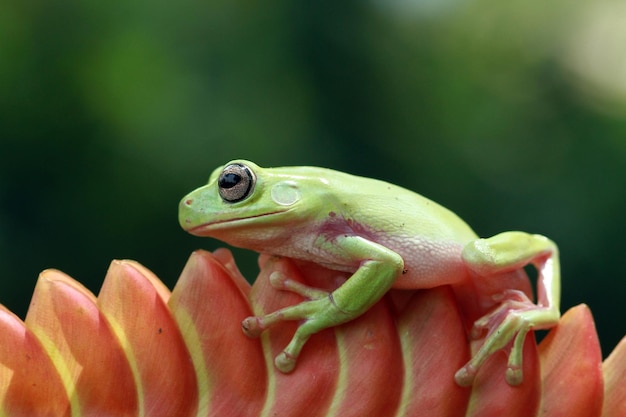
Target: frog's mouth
208, 227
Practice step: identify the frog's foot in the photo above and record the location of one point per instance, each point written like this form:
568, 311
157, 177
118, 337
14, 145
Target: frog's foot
255, 325
509, 300
507, 327
319, 312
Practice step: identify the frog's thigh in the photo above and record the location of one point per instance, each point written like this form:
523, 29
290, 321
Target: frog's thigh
510, 251
506, 252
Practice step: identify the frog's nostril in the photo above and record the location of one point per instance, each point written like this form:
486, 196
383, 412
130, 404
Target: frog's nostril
188, 202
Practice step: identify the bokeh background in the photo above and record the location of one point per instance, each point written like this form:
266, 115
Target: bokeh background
511, 113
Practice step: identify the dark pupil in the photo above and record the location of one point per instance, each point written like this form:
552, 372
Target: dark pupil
229, 180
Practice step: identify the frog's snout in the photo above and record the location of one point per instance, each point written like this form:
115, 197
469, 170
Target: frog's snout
185, 210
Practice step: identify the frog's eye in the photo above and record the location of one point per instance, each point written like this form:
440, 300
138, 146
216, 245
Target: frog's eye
235, 183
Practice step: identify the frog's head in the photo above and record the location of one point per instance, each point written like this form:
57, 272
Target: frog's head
244, 204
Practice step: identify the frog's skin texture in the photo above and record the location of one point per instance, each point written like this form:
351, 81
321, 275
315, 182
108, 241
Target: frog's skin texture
386, 237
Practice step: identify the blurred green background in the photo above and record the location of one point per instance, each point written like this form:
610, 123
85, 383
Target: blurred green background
510, 113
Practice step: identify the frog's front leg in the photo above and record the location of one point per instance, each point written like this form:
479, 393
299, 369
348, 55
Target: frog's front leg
517, 315
379, 267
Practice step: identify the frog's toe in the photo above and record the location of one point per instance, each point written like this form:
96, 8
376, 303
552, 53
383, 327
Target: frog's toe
514, 376
465, 376
252, 326
511, 301
284, 362
280, 281
277, 280
479, 329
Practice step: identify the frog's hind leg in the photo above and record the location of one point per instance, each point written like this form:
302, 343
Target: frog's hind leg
516, 315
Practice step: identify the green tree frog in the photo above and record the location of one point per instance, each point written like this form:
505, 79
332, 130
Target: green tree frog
386, 237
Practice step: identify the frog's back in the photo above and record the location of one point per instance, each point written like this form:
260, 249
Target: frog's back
428, 236
396, 210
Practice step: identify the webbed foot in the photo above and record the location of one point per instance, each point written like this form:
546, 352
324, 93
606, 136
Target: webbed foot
506, 327
317, 313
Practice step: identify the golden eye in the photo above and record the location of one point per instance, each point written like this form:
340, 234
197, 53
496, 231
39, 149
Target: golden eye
235, 183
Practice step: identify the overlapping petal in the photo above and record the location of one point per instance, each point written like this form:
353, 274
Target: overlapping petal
614, 369
29, 382
208, 304
134, 302
428, 367
572, 367
139, 350
66, 319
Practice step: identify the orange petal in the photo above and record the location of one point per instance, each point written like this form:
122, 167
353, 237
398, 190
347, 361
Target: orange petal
225, 257
434, 345
571, 367
370, 365
64, 316
134, 302
310, 388
370, 360
209, 305
614, 370
29, 383
493, 396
